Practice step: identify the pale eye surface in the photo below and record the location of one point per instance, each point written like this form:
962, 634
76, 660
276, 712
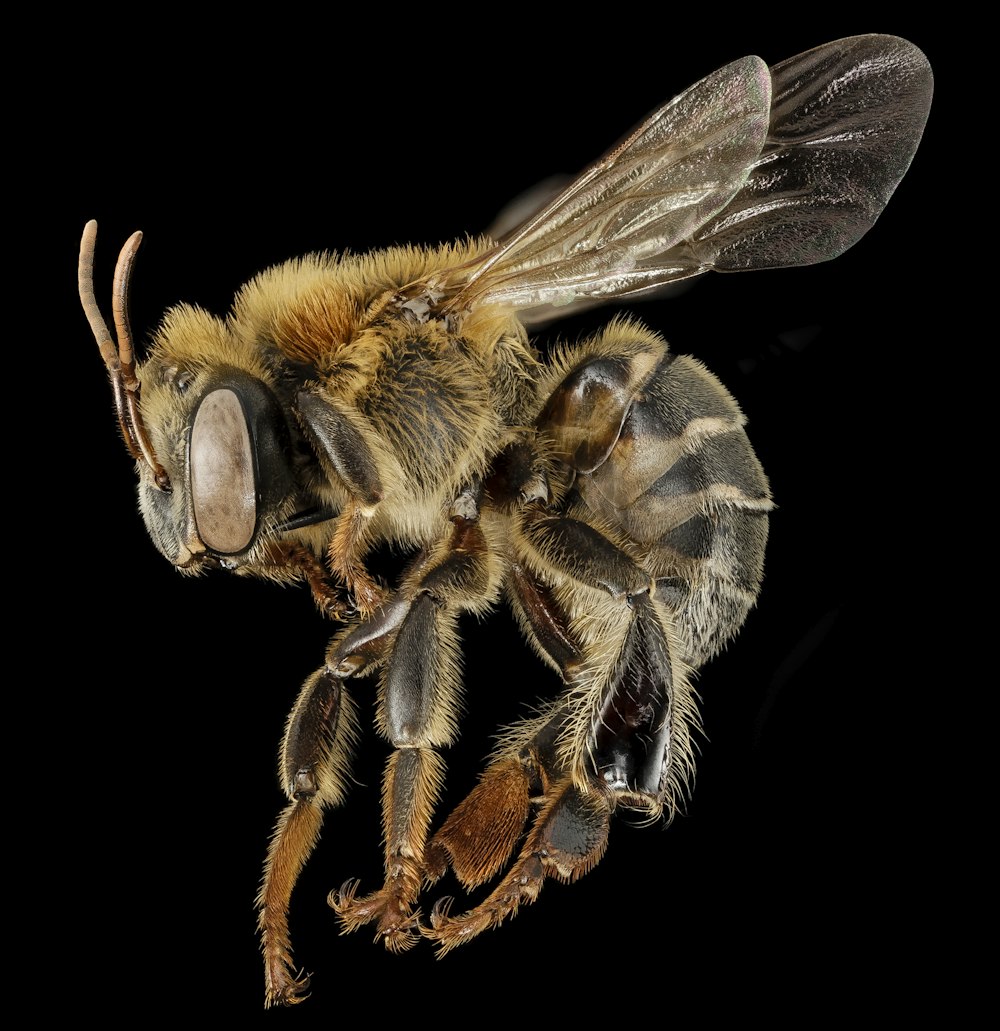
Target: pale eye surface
222, 474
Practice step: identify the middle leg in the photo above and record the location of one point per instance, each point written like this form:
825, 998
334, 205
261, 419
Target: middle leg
418, 713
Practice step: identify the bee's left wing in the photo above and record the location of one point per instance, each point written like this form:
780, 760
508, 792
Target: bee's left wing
750, 168
846, 119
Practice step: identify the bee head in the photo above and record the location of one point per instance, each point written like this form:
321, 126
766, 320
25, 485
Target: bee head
209, 439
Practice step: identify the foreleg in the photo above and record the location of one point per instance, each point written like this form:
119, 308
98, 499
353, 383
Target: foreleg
345, 452
314, 763
314, 766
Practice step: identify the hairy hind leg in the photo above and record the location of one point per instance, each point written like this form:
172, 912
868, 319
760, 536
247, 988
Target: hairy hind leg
619, 736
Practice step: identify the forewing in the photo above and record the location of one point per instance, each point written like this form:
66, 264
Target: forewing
678, 169
701, 185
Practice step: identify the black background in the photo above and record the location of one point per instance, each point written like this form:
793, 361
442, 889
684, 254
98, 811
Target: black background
178, 689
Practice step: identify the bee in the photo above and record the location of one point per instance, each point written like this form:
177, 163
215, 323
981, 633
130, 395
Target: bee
605, 491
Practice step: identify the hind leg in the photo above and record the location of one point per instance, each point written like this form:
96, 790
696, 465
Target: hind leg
619, 736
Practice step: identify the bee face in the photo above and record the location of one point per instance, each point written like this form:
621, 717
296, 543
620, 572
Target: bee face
627, 537
225, 443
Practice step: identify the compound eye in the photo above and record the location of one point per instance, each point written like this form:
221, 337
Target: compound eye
223, 484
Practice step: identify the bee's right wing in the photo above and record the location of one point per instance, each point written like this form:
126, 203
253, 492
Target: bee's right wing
747, 169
